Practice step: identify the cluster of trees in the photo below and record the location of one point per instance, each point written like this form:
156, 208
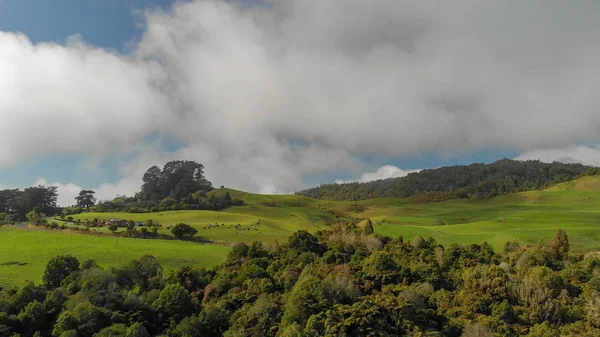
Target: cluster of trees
479, 181
196, 201
179, 185
341, 282
177, 179
16, 204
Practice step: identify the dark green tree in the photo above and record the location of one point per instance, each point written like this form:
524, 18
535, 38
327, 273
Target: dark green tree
182, 230
174, 302
58, 268
86, 199
560, 244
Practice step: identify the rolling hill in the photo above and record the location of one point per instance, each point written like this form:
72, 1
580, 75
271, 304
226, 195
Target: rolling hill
481, 181
528, 217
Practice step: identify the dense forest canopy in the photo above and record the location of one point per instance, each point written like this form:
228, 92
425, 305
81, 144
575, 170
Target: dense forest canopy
340, 282
479, 181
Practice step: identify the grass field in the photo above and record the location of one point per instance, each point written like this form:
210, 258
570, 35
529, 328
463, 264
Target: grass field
24, 253
528, 217
263, 218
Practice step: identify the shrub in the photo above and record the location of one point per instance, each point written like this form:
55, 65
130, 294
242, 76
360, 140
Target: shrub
182, 230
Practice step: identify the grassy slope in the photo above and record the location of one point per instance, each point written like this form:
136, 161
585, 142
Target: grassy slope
573, 206
278, 217
35, 248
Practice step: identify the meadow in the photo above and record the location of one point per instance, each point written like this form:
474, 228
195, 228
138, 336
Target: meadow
527, 217
262, 218
24, 253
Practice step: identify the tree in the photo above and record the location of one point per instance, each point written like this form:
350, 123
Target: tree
369, 227
304, 241
560, 244
151, 188
177, 180
137, 330
174, 302
168, 202
34, 217
58, 268
41, 196
86, 199
182, 230
227, 196
130, 225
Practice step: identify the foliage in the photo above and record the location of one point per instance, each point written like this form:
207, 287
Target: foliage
176, 180
86, 199
58, 268
478, 181
299, 288
19, 203
182, 230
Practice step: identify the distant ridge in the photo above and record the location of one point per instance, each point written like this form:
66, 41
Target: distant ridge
477, 181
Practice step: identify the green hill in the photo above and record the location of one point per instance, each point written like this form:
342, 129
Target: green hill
481, 181
527, 217
262, 218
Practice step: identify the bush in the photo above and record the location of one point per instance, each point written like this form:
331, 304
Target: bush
182, 230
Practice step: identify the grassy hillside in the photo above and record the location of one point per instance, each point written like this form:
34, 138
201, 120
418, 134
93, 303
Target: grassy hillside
262, 218
24, 253
528, 217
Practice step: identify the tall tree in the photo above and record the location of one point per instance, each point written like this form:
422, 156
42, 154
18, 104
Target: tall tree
151, 188
86, 199
560, 244
43, 197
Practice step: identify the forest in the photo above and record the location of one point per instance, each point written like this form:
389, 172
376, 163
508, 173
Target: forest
344, 281
477, 181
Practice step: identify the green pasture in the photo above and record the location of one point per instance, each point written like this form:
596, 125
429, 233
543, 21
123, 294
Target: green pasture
263, 218
527, 217
24, 253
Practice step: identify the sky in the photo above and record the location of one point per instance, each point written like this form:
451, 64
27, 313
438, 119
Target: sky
283, 95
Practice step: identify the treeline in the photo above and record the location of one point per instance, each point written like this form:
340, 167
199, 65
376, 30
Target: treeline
342, 282
476, 181
197, 201
16, 204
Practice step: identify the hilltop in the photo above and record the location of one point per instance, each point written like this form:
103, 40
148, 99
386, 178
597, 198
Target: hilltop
479, 181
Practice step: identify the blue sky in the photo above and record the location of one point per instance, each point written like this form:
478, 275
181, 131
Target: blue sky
106, 23
289, 95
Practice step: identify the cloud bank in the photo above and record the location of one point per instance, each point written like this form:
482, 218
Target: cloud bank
586, 155
266, 95
384, 172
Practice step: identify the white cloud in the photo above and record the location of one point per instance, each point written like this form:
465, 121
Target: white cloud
586, 155
265, 96
66, 192
384, 172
